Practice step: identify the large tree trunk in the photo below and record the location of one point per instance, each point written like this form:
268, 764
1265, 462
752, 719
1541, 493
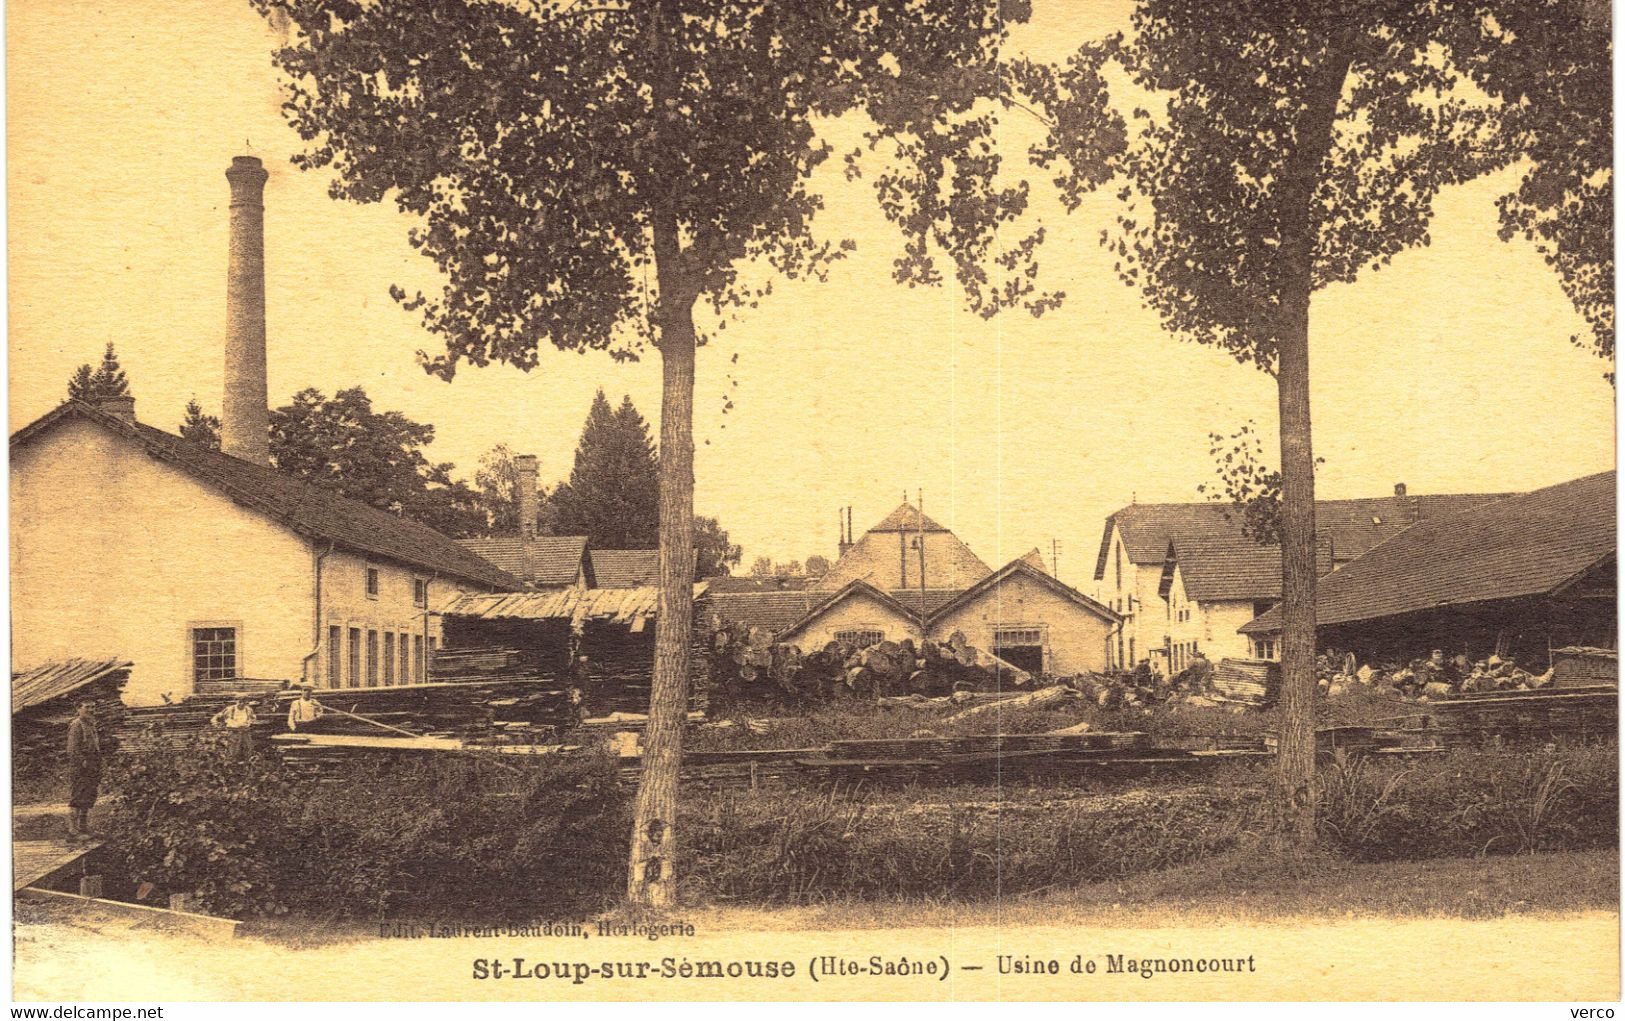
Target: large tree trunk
1299, 239
652, 875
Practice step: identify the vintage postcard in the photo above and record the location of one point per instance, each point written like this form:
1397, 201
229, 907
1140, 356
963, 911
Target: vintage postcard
963, 500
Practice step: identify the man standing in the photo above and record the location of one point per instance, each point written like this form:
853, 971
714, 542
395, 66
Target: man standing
84, 769
238, 719
305, 709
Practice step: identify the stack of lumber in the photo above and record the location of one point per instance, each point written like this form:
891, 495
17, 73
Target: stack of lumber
447, 708
1575, 714
192, 715
1248, 681
44, 701
1577, 666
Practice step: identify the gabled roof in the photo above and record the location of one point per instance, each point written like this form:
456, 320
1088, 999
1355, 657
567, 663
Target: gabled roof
881, 555
1527, 545
907, 519
625, 568
1023, 568
292, 502
555, 560
1231, 568
1355, 526
849, 591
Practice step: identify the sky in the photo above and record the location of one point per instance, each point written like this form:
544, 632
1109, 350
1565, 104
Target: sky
1449, 370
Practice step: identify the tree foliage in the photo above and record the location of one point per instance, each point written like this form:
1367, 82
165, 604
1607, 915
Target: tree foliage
1247, 483
376, 457
613, 493
199, 426
714, 554
106, 380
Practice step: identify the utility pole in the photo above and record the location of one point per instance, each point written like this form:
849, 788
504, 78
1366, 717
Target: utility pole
1055, 559
919, 537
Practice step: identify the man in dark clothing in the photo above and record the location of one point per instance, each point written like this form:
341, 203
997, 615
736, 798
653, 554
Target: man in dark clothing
84, 771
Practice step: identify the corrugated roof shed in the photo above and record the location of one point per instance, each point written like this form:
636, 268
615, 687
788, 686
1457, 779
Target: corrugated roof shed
625, 568
1524, 545
626, 605
554, 559
1355, 526
48, 681
304, 508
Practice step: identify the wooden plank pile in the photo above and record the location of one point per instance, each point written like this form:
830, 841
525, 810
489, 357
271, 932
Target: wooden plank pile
192, 715
1570, 714
461, 709
44, 701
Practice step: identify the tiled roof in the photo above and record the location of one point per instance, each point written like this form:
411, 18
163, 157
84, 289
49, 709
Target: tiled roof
296, 504
1355, 526
770, 611
746, 583
1022, 566
1232, 568
847, 591
906, 518
1226, 569
554, 559
625, 568
935, 598
1525, 545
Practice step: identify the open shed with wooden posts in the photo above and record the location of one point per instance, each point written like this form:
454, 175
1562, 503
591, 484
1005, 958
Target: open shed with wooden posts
612, 628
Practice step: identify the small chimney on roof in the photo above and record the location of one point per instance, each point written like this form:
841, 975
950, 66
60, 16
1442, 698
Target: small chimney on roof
244, 418
525, 497
121, 407
1399, 489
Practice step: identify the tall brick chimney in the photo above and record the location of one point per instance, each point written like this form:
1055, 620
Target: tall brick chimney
245, 420
525, 498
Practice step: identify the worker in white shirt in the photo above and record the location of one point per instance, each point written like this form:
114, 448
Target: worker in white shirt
238, 719
305, 709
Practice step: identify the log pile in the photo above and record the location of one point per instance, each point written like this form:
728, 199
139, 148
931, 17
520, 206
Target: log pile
749, 665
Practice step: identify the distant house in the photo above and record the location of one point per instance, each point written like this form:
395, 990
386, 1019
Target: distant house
1134, 552
203, 569
1019, 612
1518, 576
1212, 586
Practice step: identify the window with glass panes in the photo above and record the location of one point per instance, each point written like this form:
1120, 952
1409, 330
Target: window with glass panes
335, 655
353, 678
214, 653
389, 657
372, 659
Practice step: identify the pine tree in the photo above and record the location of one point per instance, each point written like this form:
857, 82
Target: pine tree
613, 494
200, 428
108, 380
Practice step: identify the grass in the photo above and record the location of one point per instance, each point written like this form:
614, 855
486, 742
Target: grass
1244, 888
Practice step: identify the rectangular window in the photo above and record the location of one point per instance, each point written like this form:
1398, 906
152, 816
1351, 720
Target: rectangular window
1263, 649
1132, 661
389, 657
335, 655
862, 637
417, 657
214, 654
372, 583
420, 592
372, 659
406, 658
353, 678
1022, 648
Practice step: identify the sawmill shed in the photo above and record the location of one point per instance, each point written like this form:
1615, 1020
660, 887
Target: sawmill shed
1518, 577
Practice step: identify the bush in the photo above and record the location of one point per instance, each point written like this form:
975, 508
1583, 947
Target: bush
509, 838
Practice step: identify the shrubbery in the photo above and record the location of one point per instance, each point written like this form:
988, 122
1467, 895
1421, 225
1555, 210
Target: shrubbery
523, 837
517, 837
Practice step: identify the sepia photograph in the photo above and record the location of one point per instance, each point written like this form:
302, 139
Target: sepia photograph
812, 500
